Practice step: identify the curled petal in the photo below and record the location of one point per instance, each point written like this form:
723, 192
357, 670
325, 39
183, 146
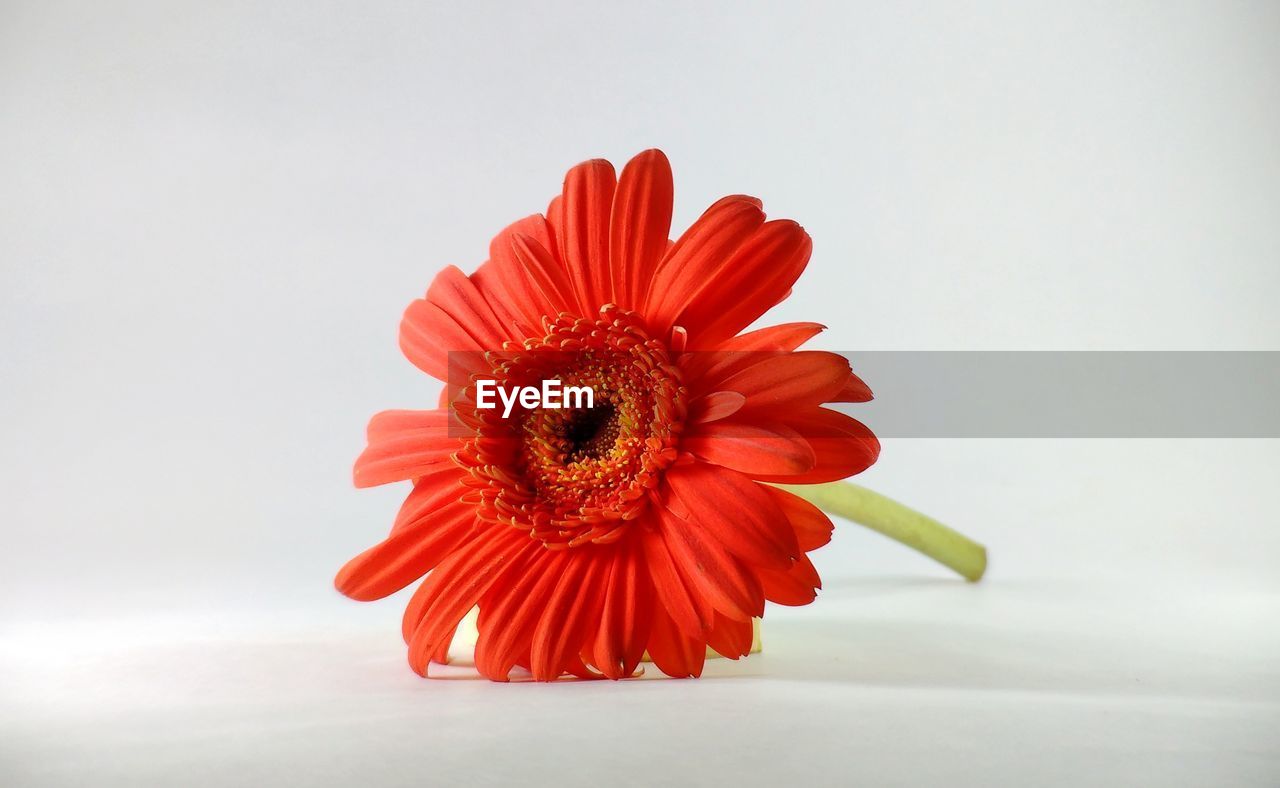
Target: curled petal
734, 355
787, 381
812, 526
794, 587
752, 447
853, 390
841, 444
780, 338
715, 406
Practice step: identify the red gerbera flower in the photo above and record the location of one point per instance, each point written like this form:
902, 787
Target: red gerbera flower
587, 537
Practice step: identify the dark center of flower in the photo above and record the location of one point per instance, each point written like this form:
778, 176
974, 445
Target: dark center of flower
592, 432
572, 475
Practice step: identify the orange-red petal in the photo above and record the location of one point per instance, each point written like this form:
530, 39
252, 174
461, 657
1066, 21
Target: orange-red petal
735, 510
674, 653
406, 555
508, 287
731, 588
730, 638
545, 274
455, 587
428, 335
751, 446
619, 640
715, 406
782, 337
740, 352
690, 266
430, 492
812, 526
582, 230
511, 610
787, 381
672, 591
404, 444
841, 444
749, 283
574, 604
639, 226
455, 293
853, 390
795, 587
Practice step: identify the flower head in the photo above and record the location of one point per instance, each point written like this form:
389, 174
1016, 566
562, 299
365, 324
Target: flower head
588, 536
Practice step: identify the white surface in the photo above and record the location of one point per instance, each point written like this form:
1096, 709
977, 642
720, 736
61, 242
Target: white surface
1126, 634
211, 217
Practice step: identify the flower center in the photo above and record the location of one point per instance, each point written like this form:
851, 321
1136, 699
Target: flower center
592, 432
573, 475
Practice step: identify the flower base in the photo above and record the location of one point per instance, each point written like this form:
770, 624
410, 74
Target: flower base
462, 649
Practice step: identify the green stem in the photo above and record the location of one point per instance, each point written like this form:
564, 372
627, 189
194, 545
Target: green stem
911, 528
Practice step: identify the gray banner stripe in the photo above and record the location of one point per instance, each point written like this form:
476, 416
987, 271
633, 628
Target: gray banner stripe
1034, 394
1015, 394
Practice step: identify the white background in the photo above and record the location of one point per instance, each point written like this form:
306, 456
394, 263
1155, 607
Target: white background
212, 215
